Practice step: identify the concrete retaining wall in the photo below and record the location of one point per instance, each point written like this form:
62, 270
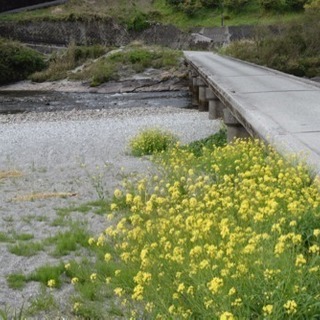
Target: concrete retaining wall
64, 32
108, 32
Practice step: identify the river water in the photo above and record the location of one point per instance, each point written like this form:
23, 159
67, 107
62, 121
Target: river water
26, 101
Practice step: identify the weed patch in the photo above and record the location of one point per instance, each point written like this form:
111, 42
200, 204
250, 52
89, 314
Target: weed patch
151, 141
16, 281
231, 231
69, 241
26, 249
4, 237
43, 302
48, 275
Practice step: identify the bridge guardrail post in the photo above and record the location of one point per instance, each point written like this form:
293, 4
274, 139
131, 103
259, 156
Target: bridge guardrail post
234, 127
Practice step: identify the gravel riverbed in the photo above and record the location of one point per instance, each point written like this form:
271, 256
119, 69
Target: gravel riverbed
62, 152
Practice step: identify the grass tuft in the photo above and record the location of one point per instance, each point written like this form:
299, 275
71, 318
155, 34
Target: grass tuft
26, 249
16, 281
151, 141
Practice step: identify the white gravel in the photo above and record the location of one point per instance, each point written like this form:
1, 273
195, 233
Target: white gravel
61, 152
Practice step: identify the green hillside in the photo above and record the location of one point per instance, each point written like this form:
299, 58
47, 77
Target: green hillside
182, 13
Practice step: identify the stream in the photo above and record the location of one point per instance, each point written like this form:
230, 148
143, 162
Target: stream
43, 101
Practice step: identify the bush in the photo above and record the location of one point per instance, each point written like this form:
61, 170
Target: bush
18, 62
151, 141
295, 49
138, 22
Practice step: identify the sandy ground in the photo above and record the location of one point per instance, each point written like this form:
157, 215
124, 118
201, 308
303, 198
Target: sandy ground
57, 152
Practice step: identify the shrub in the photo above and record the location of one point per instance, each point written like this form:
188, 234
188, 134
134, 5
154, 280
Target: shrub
17, 62
151, 141
295, 49
139, 22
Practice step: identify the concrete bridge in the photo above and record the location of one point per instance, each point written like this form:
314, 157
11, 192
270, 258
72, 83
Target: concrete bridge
280, 109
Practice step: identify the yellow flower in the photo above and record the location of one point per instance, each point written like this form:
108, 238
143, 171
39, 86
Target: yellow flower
300, 260
93, 277
129, 198
91, 241
117, 193
290, 306
181, 288
74, 280
232, 291
107, 257
67, 266
237, 302
149, 307
118, 292
215, 284
51, 283
314, 249
76, 306
267, 310
101, 240
108, 280
227, 316
113, 207
138, 292
316, 232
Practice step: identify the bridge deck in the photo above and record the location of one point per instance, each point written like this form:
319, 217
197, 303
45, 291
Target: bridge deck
281, 109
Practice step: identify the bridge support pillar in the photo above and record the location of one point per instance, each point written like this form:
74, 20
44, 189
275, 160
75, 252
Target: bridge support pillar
195, 92
215, 105
234, 127
203, 102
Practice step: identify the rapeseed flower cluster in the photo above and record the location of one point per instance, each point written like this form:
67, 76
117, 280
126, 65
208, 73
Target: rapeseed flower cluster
231, 234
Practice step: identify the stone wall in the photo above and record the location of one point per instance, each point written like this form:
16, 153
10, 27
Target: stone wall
63, 33
108, 32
